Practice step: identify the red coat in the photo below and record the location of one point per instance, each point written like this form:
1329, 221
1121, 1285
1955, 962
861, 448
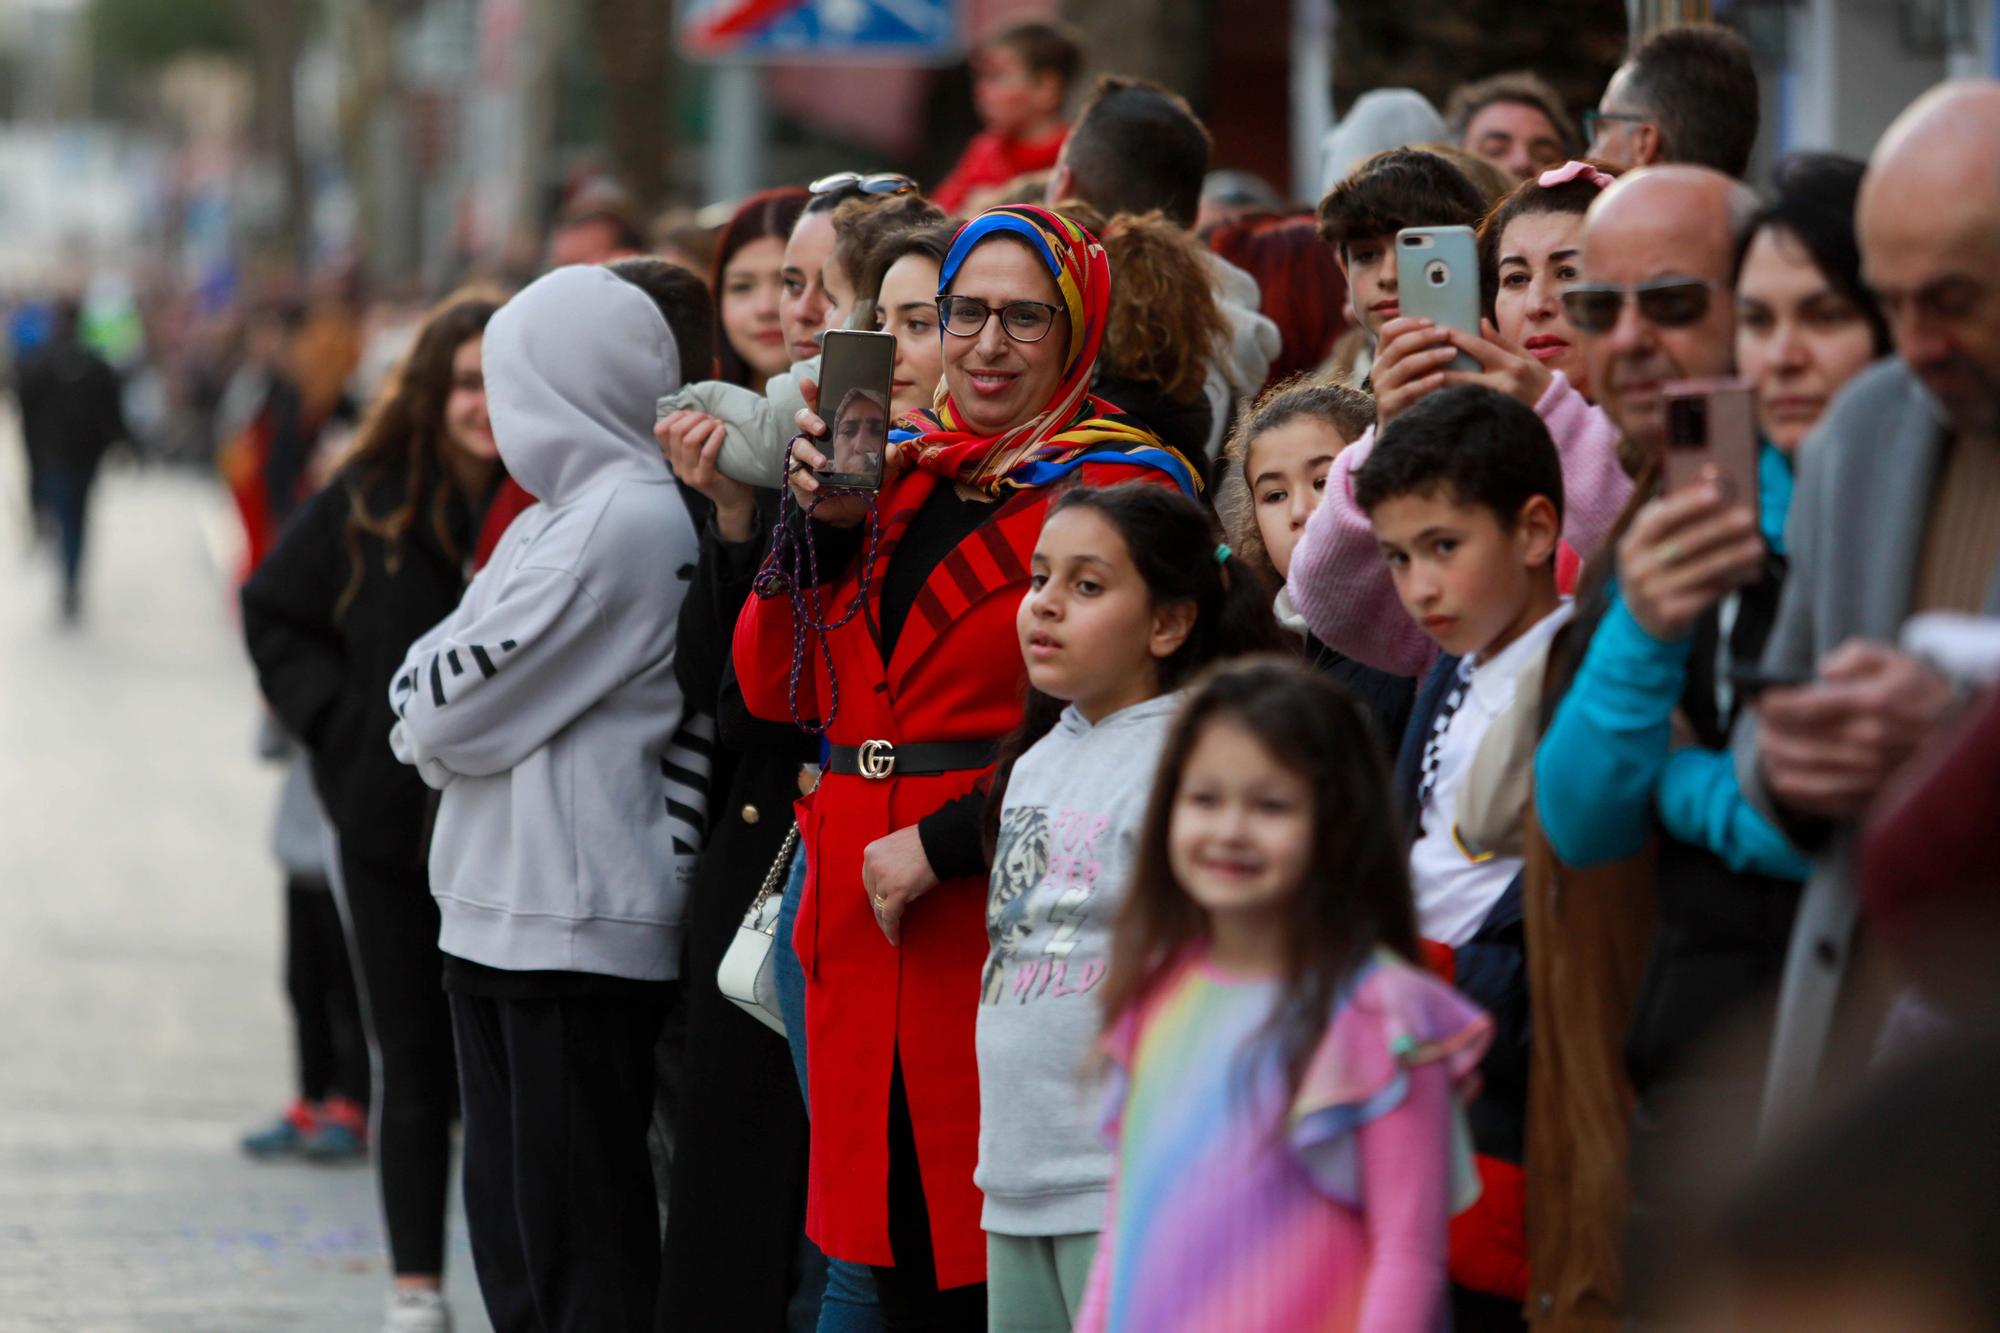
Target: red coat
956, 675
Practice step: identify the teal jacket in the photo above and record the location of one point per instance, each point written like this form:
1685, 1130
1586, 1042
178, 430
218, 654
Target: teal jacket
1607, 764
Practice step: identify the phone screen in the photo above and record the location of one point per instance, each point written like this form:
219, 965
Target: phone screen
857, 370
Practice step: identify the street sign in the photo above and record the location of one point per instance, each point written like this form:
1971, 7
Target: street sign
926, 31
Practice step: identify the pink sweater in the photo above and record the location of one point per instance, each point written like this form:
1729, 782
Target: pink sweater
1340, 583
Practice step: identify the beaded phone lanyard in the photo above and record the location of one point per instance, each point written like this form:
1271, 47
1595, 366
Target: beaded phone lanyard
793, 566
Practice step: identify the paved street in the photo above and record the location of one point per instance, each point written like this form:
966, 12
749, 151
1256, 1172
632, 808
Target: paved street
141, 1019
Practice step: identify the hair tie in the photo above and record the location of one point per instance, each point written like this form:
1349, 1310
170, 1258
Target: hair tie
1573, 170
1222, 554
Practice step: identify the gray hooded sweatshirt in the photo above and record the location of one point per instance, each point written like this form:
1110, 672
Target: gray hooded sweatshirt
543, 706
1069, 830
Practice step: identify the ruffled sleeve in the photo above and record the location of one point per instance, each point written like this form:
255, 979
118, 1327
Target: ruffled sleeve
1394, 1018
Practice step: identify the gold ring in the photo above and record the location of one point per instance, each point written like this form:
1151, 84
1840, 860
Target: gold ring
881, 902
1670, 554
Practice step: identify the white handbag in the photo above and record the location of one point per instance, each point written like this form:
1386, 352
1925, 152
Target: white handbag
748, 975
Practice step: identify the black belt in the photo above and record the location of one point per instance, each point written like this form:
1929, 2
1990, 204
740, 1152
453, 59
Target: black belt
878, 760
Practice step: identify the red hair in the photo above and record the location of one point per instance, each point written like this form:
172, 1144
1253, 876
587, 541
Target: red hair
1305, 293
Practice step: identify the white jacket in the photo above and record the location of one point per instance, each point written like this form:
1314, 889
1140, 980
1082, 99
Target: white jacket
543, 706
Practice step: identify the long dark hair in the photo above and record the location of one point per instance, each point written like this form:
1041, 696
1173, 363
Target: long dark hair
1355, 897
1812, 198
403, 439
1174, 544
769, 215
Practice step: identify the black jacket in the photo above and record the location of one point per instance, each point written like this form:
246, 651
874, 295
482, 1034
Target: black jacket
736, 1203
1490, 969
69, 407
327, 677
1723, 934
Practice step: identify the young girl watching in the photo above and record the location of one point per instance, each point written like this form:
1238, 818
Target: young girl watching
1275, 475
1130, 593
1288, 1143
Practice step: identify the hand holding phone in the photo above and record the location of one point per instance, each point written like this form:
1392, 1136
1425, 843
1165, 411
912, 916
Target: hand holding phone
857, 371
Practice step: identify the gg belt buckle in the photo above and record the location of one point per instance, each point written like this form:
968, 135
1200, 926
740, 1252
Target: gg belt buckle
877, 760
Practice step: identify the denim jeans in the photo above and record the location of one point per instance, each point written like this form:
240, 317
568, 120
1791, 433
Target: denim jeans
846, 1292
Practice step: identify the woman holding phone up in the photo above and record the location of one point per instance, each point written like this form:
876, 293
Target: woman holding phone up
916, 694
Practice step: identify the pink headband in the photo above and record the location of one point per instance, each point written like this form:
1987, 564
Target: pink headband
1570, 171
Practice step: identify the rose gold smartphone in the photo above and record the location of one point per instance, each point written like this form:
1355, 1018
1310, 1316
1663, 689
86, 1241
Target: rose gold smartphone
1712, 423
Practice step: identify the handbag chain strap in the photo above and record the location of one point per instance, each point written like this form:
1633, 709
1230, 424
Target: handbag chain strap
774, 878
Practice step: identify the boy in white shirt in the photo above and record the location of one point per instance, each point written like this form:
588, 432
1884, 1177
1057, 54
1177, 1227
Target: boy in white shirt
1464, 492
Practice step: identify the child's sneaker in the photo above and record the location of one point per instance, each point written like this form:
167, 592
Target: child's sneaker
341, 1134
417, 1310
285, 1137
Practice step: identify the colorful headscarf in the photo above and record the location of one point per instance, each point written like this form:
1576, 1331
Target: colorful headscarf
1075, 427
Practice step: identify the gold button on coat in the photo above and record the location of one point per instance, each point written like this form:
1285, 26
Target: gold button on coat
750, 814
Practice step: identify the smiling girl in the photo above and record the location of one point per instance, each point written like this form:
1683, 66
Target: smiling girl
1288, 1143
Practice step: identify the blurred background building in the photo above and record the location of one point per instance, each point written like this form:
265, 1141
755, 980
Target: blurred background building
225, 147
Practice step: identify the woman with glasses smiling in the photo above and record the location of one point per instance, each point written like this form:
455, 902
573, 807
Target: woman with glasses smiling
913, 697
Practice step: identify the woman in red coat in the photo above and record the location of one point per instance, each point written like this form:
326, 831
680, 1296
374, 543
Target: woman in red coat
914, 691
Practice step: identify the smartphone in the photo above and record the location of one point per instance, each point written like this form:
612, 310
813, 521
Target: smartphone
1750, 680
1437, 278
857, 370
1712, 423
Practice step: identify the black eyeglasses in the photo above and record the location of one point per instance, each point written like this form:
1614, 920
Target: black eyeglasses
1023, 321
1595, 120
880, 182
1671, 303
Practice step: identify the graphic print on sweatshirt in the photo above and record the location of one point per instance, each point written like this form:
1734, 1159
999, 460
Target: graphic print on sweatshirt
408, 683
1045, 873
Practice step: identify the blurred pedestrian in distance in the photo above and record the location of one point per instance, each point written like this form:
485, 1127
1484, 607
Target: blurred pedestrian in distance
748, 284
1021, 78
1487, 176
1514, 120
375, 558
1303, 290
1379, 120
1234, 196
595, 227
1139, 148
1893, 516
1688, 94
679, 236
69, 400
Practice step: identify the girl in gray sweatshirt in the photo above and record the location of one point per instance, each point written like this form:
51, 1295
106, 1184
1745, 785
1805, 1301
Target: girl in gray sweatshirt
1131, 593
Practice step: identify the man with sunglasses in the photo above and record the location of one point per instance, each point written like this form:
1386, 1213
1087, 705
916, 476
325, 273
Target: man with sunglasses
1894, 516
1658, 249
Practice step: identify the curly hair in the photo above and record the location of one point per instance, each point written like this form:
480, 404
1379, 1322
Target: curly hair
404, 438
1165, 326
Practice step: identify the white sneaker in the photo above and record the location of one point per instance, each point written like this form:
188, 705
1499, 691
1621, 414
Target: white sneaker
416, 1310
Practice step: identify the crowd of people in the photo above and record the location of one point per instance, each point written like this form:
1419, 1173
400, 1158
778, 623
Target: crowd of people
1277, 813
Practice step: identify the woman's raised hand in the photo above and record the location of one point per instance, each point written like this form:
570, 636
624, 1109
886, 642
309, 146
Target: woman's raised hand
1410, 357
840, 511
691, 442
1502, 366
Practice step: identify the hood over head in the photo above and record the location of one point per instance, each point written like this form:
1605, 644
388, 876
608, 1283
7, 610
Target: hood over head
574, 363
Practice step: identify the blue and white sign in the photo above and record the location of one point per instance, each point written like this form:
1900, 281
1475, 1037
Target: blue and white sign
928, 31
